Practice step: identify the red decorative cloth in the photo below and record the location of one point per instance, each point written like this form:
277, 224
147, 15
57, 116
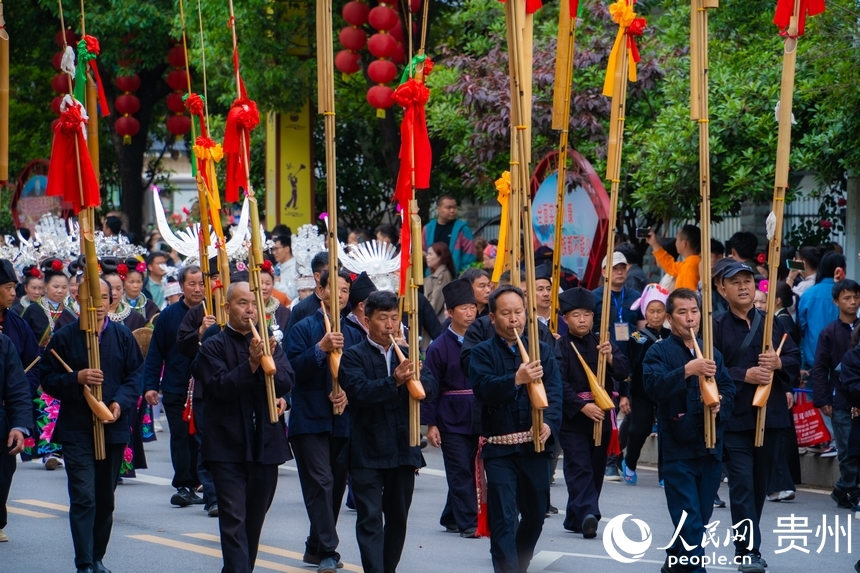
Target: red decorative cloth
412, 96
533, 6
483, 529
68, 161
243, 117
785, 9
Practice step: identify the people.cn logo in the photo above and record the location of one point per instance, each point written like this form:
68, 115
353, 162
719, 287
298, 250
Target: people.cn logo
619, 546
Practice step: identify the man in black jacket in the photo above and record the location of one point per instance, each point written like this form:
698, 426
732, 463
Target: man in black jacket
670, 375
16, 419
517, 476
584, 462
92, 482
382, 464
738, 335
241, 447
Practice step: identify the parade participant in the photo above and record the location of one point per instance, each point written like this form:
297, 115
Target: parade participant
241, 447
517, 476
277, 315
15, 328
451, 231
172, 291
92, 483
382, 464
624, 320
642, 415
133, 296
361, 288
688, 243
738, 335
51, 313
827, 394
317, 435
34, 289
285, 270
543, 289
449, 417
76, 277
671, 377
309, 305
154, 284
482, 285
173, 384
16, 420
584, 462
115, 272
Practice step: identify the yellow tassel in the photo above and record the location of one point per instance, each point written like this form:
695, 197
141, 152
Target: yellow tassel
380, 113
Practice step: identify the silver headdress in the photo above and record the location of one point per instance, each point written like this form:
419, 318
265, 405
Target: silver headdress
379, 260
186, 242
116, 246
306, 244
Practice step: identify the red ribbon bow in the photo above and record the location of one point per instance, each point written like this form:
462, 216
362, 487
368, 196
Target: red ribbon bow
636, 28
412, 96
68, 161
785, 9
243, 117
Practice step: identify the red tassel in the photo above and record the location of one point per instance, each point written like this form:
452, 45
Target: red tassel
483, 529
103, 103
533, 6
68, 160
614, 447
188, 416
242, 118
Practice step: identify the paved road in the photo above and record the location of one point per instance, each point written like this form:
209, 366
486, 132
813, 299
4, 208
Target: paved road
150, 536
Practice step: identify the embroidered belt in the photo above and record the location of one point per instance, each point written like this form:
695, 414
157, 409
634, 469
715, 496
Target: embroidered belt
457, 393
511, 439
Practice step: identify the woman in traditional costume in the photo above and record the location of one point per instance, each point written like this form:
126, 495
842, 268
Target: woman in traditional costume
277, 315
34, 288
134, 297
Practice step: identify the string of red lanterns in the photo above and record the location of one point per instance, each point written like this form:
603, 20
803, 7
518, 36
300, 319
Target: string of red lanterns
178, 122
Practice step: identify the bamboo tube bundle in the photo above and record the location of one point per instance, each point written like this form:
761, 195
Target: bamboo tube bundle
790, 16
98, 407
561, 122
416, 394
710, 396
4, 99
762, 393
699, 113
334, 356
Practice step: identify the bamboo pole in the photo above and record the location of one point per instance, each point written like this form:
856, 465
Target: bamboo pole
326, 107
710, 396
699, 113
90, 289
561, 122
613, 174
4, 99
335, 355
783, 151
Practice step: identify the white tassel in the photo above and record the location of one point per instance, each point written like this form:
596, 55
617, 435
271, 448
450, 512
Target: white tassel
770, 225
776, 114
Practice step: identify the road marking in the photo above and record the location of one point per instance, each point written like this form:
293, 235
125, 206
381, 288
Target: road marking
28, 513
45, 504
214, 552
270, 550
154, 480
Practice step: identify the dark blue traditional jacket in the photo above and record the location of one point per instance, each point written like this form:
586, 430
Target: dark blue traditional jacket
452, 410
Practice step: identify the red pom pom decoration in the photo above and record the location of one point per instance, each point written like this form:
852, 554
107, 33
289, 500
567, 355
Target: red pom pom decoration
34, 272
141, 267
122, 270
267, 267
57, 265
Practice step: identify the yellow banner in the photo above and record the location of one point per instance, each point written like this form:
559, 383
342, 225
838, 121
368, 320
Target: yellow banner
289, 182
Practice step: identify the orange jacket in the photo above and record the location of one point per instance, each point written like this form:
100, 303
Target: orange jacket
686, 272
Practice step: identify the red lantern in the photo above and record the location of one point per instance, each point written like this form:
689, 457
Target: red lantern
347, 62
127, 127
176, 57
353, 38
381, 71
127, 104
355, 13
178, 125
380, 97
414, 6
178, 80
57, 60
382, 18
70, 39
382, 45
62, 84
55, 104
399, 55
397, 31
175, 103
128, 84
